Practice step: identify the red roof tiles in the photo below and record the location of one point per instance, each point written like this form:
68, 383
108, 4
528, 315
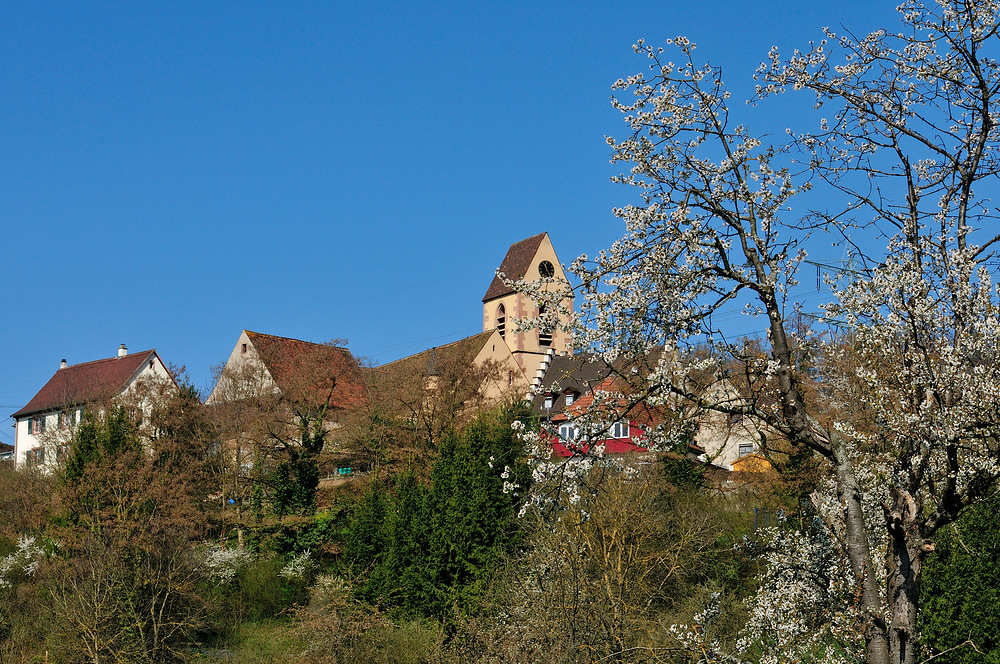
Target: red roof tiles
86, 382
302, 369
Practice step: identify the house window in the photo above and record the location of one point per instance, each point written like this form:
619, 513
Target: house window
67, 419
35, 457
570, 397
568, 433
37, 425
745, 449
548, 402
620, 430
502, 321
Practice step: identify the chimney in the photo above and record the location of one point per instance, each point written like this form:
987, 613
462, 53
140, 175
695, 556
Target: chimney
63, 365
122, 351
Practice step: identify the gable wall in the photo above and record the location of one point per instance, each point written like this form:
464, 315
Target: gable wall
241, 365
512, 380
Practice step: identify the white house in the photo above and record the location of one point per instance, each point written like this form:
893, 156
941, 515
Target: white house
46, 423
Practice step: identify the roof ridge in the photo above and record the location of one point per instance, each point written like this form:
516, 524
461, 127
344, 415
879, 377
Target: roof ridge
441, 347
457, 341
108, 359
301, 341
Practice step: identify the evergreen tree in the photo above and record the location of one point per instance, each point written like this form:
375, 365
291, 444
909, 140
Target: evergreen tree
430, 549
961, 588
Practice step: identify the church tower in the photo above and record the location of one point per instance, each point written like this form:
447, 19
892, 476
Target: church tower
529, 260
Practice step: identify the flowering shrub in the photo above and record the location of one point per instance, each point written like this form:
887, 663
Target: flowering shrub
23, 561
222, 564
298, 566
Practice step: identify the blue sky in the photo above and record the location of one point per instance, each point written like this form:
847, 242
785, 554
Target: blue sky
172, 173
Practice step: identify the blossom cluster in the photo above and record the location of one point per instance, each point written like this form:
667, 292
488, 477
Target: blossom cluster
298, 566
223, 563
23, 561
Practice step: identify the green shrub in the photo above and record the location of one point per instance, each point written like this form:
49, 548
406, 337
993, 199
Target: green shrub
961, 588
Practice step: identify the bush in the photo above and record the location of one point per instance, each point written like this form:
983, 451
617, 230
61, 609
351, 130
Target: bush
961, 588
425, 550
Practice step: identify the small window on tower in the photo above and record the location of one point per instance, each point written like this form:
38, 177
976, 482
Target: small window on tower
544, 332
244, 349
502, 321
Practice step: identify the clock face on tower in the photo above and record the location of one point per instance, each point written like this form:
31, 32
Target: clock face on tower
546, 270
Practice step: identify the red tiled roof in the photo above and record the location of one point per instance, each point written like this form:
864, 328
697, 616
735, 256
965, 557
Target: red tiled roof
638, 411
302, 369
86, 382
515, 265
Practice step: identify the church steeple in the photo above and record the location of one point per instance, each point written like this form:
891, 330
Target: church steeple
530, 259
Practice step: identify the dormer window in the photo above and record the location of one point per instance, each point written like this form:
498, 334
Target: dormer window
548, 402
570, 398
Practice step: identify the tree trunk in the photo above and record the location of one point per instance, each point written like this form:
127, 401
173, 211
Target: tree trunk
877, 646
903, 564
803, 429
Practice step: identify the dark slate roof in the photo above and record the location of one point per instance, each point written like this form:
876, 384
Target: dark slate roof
579, 373
515, 265
302, 369
582, 373
85, 383
429, 362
